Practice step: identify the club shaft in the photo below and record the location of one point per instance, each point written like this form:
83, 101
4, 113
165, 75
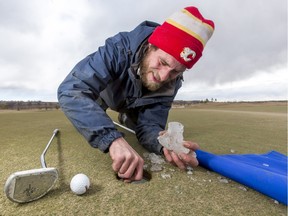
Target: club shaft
126, 128
42, 158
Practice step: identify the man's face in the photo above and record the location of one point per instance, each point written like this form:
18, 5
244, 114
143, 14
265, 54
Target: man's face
158, 68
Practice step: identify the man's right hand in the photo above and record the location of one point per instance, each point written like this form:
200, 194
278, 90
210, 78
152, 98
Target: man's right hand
127, 163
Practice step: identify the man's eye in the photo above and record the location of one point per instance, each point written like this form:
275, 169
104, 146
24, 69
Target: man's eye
163, 62
174, 72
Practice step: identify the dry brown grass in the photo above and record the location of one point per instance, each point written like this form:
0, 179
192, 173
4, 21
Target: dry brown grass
25, 134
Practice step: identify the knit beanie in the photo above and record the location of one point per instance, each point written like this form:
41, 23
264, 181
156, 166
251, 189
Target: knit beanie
183, 35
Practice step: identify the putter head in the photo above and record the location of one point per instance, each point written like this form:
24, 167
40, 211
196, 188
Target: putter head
26, 186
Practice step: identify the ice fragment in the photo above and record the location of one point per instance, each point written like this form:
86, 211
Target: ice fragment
189, 172
189, 168
156, 159
242, 188
223, 180
156, 167
172, 139
165, 175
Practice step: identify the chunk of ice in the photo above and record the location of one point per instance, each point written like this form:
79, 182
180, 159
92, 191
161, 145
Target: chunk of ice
189, 168
189, 172
156, 168
172, 139
165, 176
153, 161
156, 159
223, 180
242, 188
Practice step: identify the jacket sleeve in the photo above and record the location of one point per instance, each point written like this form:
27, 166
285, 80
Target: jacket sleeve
78, 93
151, 121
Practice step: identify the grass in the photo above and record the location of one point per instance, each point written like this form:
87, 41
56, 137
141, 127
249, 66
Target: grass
217, 128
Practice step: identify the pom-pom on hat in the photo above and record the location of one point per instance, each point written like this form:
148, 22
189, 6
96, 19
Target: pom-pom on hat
183, 35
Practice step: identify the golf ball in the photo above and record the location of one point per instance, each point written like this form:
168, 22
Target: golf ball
79, 184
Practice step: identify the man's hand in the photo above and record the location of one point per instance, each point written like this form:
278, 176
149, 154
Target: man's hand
183, 160
127, 163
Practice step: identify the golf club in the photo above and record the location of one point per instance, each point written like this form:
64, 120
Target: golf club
126, 128
29, 185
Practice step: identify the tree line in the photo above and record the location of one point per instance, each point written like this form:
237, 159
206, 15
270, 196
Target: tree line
25, 105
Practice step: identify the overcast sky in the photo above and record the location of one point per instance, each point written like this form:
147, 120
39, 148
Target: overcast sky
42, 40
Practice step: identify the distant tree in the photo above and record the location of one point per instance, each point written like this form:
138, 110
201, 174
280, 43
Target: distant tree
18, 105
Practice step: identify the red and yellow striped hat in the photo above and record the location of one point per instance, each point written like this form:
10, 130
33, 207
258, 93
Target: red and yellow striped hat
183, 35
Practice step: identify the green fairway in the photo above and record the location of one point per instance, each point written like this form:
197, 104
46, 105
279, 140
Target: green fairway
218, 128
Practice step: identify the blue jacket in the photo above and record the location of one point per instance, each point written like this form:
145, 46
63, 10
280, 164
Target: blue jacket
110, 73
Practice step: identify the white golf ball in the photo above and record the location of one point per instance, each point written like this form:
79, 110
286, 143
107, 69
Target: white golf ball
79, 184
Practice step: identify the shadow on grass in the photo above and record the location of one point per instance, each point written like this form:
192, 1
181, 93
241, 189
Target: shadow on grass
60, 161
64, 187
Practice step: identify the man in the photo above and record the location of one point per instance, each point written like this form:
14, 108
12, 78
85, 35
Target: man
137, 74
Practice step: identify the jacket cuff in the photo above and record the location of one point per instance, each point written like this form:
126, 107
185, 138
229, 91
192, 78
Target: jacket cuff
159, 149
103, 143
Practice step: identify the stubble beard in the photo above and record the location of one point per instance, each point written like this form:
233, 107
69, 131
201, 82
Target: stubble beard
144, 72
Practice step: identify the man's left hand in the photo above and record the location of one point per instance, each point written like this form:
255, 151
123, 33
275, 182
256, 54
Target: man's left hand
183, 160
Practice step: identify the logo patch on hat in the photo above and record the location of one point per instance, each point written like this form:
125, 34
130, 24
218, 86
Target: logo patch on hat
186, 53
